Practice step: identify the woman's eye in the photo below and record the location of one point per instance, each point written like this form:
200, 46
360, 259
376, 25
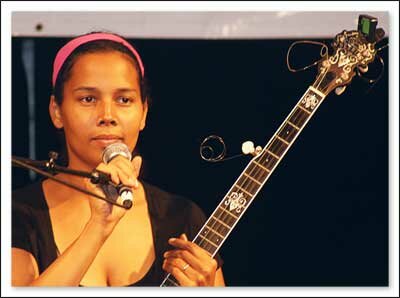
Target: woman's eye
124, 100
88, 99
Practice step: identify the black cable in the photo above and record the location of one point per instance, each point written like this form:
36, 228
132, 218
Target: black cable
43, 173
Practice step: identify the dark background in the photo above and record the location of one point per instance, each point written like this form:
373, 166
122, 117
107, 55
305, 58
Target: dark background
321, 219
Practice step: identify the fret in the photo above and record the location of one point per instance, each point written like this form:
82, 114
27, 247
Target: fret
209, 241
248, 184
226, 216
261, 166
221, 222
304, 109
277, 147
244, 190
268, 160
253, 179
214, 231
221, 228
221, 209
205, 244
218, 227
208, 233
273, 154
294, 125
298, 117
316, 92
279, 138
257, 171
288, 132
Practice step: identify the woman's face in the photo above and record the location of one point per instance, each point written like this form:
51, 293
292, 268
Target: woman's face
101, 105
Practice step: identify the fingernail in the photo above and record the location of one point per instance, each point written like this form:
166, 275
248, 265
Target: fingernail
136, 183
171, 239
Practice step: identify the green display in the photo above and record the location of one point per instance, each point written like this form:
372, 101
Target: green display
365, 25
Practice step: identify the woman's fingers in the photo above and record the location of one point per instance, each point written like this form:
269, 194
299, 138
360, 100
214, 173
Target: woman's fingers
123, 171
136, 164
197, 264
186, 257
112, 171
189, 246
183, 272
92, 187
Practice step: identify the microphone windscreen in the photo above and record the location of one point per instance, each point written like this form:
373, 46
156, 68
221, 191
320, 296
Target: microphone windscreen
115, 149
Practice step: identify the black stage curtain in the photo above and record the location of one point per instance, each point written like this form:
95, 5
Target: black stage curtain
322, 217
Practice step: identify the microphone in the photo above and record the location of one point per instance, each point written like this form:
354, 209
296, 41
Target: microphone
111, 189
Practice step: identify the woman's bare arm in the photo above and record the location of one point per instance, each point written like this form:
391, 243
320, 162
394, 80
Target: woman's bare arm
68, 269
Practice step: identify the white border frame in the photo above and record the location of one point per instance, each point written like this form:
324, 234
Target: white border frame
6, 10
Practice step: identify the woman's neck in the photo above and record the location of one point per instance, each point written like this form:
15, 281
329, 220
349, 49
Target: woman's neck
79, 165
58, 193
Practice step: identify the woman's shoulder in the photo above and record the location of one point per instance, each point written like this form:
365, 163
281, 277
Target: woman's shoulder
29, 196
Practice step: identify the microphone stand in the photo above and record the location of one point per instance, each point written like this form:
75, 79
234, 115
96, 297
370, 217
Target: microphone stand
50, 166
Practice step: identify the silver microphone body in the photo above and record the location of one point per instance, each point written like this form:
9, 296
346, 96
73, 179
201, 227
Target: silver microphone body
111, 189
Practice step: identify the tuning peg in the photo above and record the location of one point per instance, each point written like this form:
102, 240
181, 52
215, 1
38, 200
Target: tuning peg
248, 148
379, 34
339, 90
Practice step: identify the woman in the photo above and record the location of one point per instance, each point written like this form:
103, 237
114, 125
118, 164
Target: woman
62, 237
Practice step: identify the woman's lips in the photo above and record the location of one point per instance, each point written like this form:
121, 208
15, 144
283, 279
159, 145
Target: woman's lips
105, 140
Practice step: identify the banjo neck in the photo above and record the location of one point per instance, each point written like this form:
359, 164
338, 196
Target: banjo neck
236, 201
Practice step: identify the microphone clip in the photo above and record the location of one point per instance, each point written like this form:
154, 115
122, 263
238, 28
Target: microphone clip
98, 177
51, 163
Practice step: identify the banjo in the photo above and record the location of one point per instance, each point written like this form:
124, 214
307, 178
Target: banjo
352, 51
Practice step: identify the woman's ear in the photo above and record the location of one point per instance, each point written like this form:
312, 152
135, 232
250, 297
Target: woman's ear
55, 113
145, 109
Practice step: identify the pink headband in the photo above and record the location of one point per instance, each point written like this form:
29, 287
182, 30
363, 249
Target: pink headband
67, 49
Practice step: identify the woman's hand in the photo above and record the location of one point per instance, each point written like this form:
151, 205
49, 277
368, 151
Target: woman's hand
122, 171
189, 264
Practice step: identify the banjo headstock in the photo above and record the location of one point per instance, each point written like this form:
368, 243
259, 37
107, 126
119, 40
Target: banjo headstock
351, 50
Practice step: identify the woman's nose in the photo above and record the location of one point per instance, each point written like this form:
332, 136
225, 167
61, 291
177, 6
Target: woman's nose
106, 114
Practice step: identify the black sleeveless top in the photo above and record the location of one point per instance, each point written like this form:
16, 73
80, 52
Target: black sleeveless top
170, 216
